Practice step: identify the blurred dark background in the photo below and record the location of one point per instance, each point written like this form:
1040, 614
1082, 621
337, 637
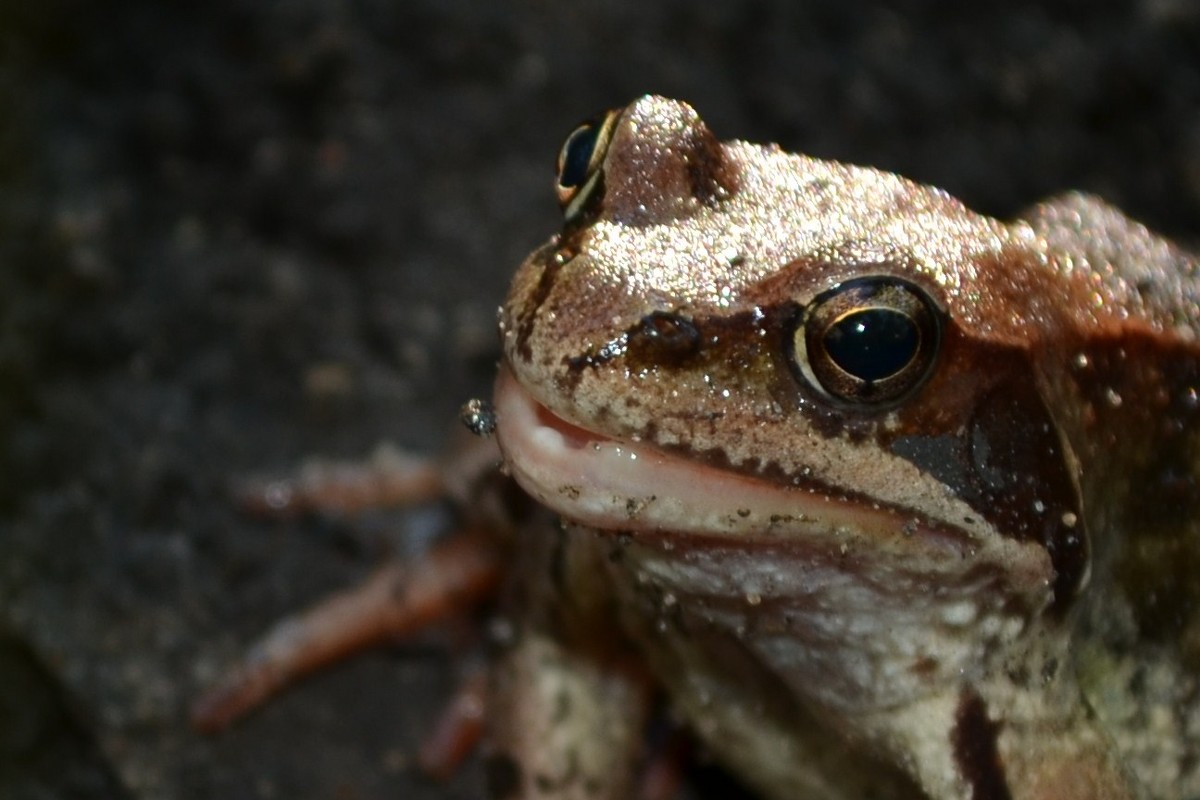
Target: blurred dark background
239, 233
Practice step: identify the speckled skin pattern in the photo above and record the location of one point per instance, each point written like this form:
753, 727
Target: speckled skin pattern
950, 579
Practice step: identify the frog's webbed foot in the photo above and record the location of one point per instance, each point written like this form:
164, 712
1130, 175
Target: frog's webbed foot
396, 600
566, 703
460, 572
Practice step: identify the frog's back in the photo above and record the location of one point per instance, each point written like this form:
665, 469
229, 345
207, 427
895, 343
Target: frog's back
1134, 269
1133, 421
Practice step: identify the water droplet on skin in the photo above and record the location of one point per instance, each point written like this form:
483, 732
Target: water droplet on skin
1081, 361
501, 631
1069, 519
479, 417
960, 613
753, 598
1191, 399
1113, 399
278, 495
1039, 506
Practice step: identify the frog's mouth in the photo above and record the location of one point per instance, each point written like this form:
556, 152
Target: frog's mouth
611, 484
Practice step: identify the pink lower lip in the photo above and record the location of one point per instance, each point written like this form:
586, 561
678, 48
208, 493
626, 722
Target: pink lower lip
607, 483
574, 436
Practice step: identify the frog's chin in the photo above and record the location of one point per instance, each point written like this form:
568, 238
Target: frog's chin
610, 484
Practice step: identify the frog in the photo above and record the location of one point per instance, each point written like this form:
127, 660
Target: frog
885, 497
878, 496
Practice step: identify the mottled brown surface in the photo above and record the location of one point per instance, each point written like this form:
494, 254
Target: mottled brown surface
238, 235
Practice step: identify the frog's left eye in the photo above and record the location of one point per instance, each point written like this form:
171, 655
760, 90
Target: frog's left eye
869, 341
580, 162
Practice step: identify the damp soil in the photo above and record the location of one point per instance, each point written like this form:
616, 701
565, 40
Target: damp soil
242, 234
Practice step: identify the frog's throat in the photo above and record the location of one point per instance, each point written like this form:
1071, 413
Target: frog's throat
601, 482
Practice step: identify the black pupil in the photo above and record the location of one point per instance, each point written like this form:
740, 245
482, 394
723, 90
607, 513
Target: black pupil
873, 343
577, 155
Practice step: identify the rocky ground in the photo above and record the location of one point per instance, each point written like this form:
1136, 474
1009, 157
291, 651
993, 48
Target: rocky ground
249, 232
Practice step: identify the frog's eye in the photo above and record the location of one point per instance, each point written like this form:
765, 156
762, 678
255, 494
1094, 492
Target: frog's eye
869, 341
580, 162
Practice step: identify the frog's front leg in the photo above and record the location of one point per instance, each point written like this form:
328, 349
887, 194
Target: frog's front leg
568, 704
562, 724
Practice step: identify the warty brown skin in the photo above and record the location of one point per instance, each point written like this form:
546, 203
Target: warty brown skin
941, 570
